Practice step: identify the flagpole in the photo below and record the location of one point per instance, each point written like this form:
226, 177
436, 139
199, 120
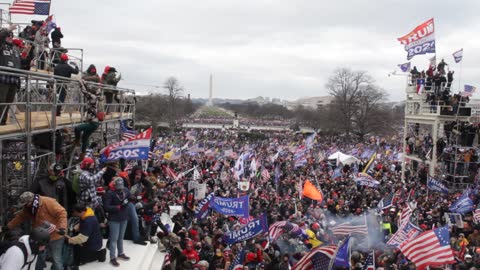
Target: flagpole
460, 75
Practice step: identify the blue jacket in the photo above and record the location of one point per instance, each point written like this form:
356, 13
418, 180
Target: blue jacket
90, 227
115, 203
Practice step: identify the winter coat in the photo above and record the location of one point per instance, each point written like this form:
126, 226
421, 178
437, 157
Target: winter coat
65, 70
49, 210
14, 258
54, 189
90, 235
90, 76
56, 36
115, 203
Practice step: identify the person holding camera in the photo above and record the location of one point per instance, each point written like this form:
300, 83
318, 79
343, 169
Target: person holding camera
116, 204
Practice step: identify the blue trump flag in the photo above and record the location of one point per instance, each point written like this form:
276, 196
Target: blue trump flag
250, 230
134, 148
231, 206
436, 185
203, 208
463, 205
342, 259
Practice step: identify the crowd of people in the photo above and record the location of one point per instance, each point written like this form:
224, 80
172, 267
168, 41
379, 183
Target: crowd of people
128, 199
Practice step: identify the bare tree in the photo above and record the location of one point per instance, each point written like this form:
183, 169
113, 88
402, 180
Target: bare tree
346, 86
370, 114
174, 94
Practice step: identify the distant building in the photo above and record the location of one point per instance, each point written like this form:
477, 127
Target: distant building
311, 102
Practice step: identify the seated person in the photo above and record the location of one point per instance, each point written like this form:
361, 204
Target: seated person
88, 242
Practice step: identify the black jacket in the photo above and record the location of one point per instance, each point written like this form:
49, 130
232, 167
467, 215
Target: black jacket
57, 36
64, 70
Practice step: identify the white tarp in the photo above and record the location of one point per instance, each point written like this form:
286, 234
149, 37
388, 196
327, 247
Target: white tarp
343, 158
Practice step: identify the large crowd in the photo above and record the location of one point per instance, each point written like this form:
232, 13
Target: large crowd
126, 200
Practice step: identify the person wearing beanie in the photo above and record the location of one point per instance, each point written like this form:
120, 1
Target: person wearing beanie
110, 78
63, 69
115, 203
43, 210
54, 185
9, 84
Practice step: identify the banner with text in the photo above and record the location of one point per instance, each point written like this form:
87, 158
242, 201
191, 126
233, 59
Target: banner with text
250, 230
130, 149
231, 206
420, 40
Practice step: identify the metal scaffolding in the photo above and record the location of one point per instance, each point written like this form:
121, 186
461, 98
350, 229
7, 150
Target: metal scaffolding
428, 140
34, 136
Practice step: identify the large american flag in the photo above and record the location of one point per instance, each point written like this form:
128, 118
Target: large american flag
347, 228
126, 132
317, 259
468, 90
431, 248
280, 227
30, 7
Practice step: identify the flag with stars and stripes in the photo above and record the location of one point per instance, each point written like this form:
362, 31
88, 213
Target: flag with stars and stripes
280, 227
476, 215
468, 90
237, 263
369, 262
431, 248
405, 215
127, 133
30, 7
317, 259
347, 228
386, 201
265, 174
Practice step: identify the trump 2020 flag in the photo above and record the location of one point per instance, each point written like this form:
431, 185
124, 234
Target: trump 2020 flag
404, 67
420, 85
130, 149
231, 206
342, 258
435, 185
463, 205
420, 40
203, 208
250, 230
458, 55
468, 90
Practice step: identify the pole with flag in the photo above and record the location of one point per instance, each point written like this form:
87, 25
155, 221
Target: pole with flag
458, 57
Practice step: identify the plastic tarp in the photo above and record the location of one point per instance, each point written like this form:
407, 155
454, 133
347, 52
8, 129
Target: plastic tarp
343, 158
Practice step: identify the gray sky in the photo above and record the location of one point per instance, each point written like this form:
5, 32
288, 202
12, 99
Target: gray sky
275, 48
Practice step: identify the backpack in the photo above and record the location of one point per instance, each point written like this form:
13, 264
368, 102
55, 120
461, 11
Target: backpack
76, 181
4, 246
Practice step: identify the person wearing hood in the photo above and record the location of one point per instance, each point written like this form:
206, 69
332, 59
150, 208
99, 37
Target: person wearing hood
91, 75
115, 203
43, 211
23, 254
63, 69
9, 84
88, 241
55, 186
57, 37
109, 77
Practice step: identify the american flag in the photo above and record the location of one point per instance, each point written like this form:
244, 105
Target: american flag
468, 90
405, 215
404, 233
369, 262
431, 248
30, 7
237, 263
317, 259
171, 173
347, 228
280, 227
126, 132
387, 201
265, 174
476, 215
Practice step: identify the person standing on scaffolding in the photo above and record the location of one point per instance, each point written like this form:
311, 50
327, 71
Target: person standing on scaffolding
63, 69
109, 77
9, 84
41, 41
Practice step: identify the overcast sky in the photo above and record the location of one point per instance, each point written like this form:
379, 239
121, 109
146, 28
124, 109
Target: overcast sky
275, 48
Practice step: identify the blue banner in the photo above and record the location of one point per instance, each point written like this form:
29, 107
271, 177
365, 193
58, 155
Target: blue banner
463, 205
203, 207
342, 258
435, 185
250, 230
134, 148
231, 206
